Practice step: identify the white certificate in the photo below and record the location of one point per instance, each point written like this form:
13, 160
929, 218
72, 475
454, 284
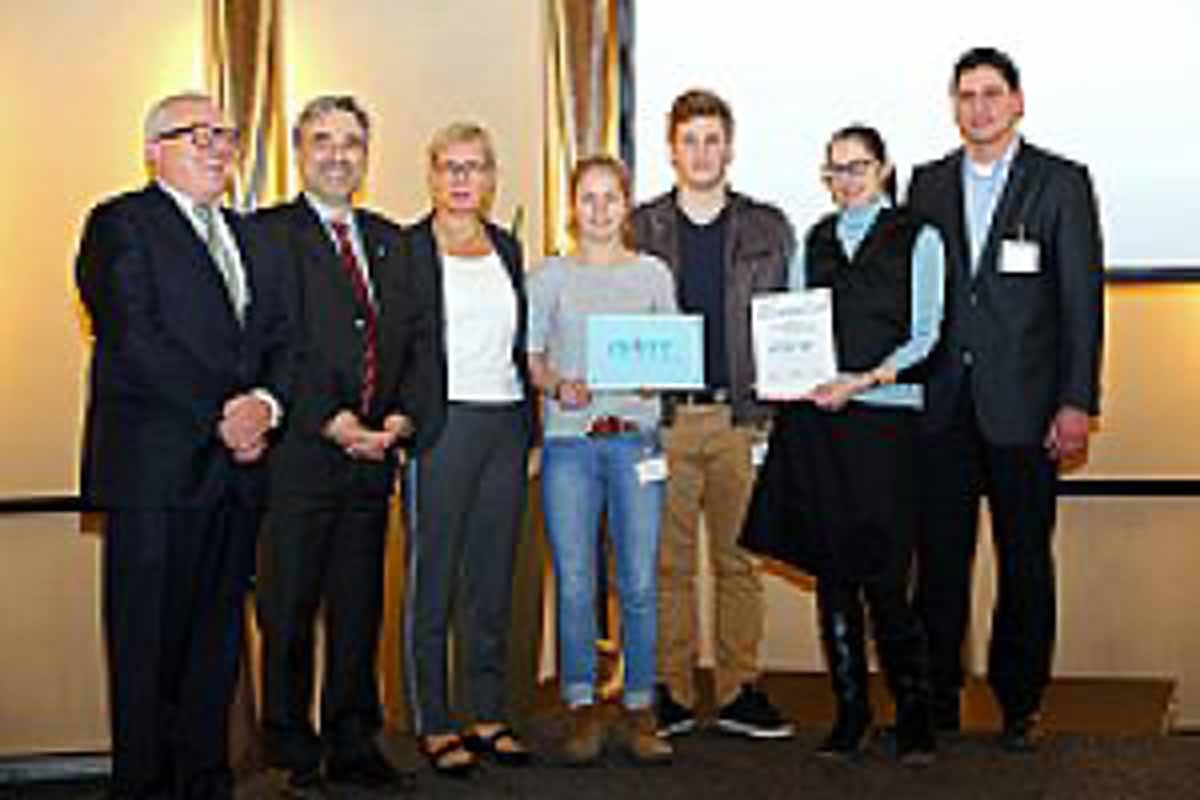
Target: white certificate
793, 342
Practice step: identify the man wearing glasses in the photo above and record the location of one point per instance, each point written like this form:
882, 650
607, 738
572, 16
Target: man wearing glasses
189, 374
334, 468
722, 247
1012, 384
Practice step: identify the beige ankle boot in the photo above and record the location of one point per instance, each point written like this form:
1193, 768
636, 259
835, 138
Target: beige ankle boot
639, 736
585, 735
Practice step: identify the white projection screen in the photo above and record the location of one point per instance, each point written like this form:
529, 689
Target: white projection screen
1110, 84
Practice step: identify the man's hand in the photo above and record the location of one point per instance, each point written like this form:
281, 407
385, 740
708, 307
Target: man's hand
245, 420
1067, 438
356, 440
399, 425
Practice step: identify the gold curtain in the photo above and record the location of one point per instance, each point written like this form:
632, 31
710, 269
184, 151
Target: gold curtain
583, 103
243, 72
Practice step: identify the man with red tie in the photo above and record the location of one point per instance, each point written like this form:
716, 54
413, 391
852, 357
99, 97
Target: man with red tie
190, 372
334, 470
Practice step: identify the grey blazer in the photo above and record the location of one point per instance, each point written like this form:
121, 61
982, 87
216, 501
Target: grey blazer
1032, 341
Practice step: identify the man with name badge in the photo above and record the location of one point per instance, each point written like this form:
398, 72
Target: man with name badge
1012, 384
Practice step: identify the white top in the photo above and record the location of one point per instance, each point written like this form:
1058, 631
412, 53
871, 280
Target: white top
481, 321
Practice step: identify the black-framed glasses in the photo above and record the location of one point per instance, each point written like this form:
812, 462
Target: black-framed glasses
464, 169
203, 135
857, 168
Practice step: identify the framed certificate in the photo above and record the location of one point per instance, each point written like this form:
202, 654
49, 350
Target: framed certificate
652, 351
793, 342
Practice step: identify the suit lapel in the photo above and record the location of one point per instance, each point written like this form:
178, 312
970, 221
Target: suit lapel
316, 243
248, 264
374, 249
958, 237
179, 230
1015, 189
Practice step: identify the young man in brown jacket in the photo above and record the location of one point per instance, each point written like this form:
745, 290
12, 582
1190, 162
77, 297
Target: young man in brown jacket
722, 247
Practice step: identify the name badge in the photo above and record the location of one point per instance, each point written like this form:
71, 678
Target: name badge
1020, 257
652, 470
758, 454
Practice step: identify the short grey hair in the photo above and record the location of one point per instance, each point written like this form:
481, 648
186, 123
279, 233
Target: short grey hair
160, 112
328, 103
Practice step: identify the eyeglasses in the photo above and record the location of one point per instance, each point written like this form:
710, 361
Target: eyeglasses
851, 169
203, 135
462, 169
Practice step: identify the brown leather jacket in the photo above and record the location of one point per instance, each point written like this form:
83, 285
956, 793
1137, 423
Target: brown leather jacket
759, 244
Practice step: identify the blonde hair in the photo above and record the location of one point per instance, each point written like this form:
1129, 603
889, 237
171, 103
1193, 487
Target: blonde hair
618, 170
466, 133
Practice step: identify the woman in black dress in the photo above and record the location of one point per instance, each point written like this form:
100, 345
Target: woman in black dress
836, 494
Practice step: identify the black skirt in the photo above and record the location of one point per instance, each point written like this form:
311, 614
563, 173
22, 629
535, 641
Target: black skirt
835, 496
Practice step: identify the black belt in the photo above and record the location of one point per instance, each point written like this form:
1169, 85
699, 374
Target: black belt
702, 397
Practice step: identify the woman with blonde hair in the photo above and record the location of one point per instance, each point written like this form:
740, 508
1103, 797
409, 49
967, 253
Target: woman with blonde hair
466, 481
599, 455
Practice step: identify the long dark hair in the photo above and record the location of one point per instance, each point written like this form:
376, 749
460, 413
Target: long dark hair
871, 139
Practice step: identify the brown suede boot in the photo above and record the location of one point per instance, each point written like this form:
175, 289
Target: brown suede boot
639, 737
585, 735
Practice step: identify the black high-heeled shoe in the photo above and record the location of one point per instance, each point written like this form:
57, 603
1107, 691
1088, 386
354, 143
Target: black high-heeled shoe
516, 755
436, 756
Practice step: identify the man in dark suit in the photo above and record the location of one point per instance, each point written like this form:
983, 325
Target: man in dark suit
334, 469
190, 370
1012, 385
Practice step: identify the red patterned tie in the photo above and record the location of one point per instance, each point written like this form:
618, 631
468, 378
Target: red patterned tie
350, 264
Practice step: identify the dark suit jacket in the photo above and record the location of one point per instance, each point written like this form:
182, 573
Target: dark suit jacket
307, 468
1034, 340
425, 386
168, 353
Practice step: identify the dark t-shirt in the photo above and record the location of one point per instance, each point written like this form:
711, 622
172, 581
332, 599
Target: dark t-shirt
702, 289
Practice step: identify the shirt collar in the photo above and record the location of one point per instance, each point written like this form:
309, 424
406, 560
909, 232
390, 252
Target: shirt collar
998, 167
328, 213
862, 217
186, 202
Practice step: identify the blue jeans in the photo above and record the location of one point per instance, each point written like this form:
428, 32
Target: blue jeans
580, 477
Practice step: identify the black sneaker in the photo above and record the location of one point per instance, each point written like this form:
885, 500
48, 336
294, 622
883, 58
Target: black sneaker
673, 719
751, 714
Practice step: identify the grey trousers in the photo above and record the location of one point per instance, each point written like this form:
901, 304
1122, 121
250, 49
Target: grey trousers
464, 499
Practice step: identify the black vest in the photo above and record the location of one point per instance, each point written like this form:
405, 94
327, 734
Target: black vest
872, 293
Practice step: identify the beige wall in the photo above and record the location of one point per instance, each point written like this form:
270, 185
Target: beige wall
77, 77
417, 65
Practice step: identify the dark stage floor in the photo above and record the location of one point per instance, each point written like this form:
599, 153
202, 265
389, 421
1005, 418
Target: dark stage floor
1107, 739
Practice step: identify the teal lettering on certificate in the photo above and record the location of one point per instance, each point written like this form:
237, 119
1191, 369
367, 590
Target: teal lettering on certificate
645, 351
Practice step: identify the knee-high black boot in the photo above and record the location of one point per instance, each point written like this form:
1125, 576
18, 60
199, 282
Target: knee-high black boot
906, 664
841, 619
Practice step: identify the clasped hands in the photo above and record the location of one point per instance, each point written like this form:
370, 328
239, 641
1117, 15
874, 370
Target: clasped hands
245, 421
361, 443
